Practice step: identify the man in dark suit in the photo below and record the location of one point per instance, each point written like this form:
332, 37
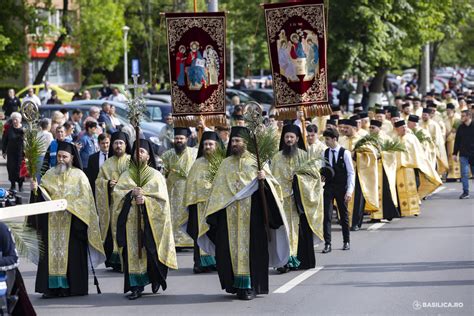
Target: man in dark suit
339, 188
96, 160
105, 119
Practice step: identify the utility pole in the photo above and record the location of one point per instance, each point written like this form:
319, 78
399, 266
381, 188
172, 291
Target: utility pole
212, 5
232, 61
425, 70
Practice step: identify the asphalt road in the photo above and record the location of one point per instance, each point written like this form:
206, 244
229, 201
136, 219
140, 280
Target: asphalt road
412, 266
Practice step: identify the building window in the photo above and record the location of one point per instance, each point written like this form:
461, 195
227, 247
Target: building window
59, 72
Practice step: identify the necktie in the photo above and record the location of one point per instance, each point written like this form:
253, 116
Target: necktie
105, 156
333, 158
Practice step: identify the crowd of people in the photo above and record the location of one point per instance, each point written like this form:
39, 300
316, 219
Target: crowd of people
133, 210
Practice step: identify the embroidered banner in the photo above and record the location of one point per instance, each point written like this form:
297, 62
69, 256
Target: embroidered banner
296, 34
196, 58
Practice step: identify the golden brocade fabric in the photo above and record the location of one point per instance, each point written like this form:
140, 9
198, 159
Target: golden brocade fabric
233, 175
110, 170
454, 171
437, 136
177, 170
73, 186
158, 213
367, 170
414, 158
316, 150
198, 189
284, 169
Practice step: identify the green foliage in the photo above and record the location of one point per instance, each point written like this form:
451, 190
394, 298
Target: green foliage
261, 142
308, 167
215, 161
422, 138
26, 240
15, 17
140, 172
33, 148
369, 139
392, 146
99, 34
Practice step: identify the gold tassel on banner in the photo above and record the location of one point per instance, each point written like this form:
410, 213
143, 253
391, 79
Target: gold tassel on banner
310, 111
193, 120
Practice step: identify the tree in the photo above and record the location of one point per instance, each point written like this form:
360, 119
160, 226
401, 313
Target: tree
16, 16
65, 31
99, 34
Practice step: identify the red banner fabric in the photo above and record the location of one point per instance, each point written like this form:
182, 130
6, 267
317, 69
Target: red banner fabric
296, 34
196, 58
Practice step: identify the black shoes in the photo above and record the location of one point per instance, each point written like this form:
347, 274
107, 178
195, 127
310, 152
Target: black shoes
327, 249
346, 246
134, 295
284, 269
245, 295
464, 196
155, 288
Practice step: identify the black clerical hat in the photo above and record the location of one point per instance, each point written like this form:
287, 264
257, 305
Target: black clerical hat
376, 123
400, 123
414, 118
145, 144
208, 135
295, 129
120, 136
71, 148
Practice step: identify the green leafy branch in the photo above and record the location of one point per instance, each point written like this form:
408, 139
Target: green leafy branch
215, 160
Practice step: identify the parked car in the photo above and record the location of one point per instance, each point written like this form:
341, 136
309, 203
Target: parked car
149, 129
94, 88
164, 98
63, 95
262, 96
157, 111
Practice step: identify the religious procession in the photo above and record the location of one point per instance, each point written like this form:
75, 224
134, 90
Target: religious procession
200, 195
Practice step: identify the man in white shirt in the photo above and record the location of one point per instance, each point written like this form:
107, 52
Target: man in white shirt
45, 94
338, 186
117, 96
32, 97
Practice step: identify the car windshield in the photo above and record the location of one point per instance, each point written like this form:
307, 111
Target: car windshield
154, 112
244, 97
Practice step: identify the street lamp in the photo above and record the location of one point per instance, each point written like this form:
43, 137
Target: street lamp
125, 30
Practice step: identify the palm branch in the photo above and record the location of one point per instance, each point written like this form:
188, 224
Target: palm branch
392, 146
215, 160
369, 139
265, 141
422, 138
140, 172
26, 240
33, 148
308, 167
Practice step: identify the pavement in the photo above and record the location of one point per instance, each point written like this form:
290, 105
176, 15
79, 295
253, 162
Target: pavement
411, 266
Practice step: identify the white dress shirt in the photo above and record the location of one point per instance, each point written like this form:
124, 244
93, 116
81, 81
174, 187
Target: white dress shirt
102, 158
348, 163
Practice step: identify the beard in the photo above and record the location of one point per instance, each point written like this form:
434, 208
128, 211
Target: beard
179, 148
290, 150
61, 168
208, 153
237, 150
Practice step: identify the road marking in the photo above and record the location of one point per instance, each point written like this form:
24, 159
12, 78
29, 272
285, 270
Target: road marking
294, 282
375, 226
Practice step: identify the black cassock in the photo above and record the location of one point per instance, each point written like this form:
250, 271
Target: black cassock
77, 265
389, 209
305, 235
157, 271
13, 147
258, 254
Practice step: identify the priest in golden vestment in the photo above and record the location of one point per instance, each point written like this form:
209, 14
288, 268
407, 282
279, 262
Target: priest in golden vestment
425, 139
177, 162
438, 138
198, 188
71, 238
387, 171
144, 230
416, 177
300, 181
109, 173
244, 240
452, 121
